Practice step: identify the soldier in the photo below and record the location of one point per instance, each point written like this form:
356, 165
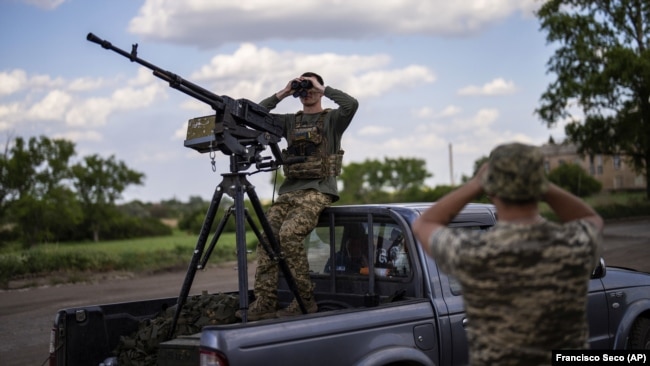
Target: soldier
313, 159
525, 281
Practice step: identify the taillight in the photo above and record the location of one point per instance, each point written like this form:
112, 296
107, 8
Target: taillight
212, 358
53, 347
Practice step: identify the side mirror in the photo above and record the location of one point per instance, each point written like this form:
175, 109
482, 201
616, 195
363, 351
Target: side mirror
600, 271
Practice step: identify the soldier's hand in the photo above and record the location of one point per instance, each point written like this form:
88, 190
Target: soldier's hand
481, 172
286, 91
315, 84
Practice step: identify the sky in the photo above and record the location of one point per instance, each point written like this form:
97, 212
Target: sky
438, 80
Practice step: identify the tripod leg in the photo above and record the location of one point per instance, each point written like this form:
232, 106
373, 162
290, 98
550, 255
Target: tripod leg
263, 243
242, 260
196, 256
275, 247
215, 238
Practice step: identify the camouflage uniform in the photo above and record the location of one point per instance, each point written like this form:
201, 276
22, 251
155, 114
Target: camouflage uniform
292, 217
524, 286
295, 213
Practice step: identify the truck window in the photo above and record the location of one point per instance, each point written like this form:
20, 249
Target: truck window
352, 252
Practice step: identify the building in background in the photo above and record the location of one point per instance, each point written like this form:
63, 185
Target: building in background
612, 171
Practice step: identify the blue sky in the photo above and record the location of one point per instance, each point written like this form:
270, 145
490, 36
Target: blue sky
427, 73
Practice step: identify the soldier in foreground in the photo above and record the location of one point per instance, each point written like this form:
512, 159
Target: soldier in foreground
312, 161
525, 282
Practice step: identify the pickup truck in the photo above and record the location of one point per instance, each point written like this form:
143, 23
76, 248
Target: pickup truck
396, 309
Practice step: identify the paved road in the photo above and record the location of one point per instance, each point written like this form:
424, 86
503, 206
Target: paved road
26, 315
627, 244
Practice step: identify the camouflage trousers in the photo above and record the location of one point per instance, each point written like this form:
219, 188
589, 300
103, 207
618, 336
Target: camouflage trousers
292, 217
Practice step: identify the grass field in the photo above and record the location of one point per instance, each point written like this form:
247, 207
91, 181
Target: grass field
71, 262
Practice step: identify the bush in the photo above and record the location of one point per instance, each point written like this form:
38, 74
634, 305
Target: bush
618, 210
575, 180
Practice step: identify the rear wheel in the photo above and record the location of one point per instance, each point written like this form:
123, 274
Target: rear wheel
640, 334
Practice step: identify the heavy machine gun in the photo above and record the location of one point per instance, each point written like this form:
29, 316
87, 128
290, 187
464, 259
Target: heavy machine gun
241, 130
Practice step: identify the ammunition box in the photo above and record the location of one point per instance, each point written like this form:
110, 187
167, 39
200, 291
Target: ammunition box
201, 134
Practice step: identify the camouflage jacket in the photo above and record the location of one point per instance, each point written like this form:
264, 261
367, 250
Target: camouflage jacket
524, 287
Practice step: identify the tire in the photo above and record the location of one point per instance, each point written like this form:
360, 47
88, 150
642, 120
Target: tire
640, 334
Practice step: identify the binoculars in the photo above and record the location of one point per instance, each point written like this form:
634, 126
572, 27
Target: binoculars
300, 87
302, 84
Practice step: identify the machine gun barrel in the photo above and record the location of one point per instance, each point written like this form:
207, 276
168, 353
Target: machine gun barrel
175, 81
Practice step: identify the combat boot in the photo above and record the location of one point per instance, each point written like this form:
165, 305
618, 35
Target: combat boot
294, 309
258, 310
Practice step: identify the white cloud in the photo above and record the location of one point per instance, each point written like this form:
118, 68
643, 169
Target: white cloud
95, 111
375, 83
89, 112
42, 97
12, 82
255, 72
209, 23
45, 4
85, 84
374, 130
497, 86
17, 81
9, 113
144, 77
430, 113
484, 118
450, 111
92, 136
52, 107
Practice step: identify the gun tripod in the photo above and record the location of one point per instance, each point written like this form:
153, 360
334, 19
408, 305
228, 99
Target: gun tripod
235, 185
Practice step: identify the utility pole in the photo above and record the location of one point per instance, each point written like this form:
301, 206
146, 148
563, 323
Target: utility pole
451, 165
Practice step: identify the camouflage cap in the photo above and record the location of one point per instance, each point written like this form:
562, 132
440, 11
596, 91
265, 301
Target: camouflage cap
515, 172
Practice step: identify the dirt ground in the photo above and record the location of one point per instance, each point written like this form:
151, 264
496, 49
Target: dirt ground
26, 315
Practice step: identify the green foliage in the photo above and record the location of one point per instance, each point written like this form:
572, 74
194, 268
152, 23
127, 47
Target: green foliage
575, 180
99, 183
602, 64
432, 195
617, 210
137, 255
34, 197
45, 198
376, 181
192, 221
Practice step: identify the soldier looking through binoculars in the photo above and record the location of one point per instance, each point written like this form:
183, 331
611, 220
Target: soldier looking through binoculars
312, 160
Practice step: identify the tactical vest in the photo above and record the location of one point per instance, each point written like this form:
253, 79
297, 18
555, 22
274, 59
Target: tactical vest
308, 153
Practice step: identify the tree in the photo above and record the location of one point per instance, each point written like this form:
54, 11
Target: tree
575, 180
602, 64
99, 183
35, 191
403, 174
374, 180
